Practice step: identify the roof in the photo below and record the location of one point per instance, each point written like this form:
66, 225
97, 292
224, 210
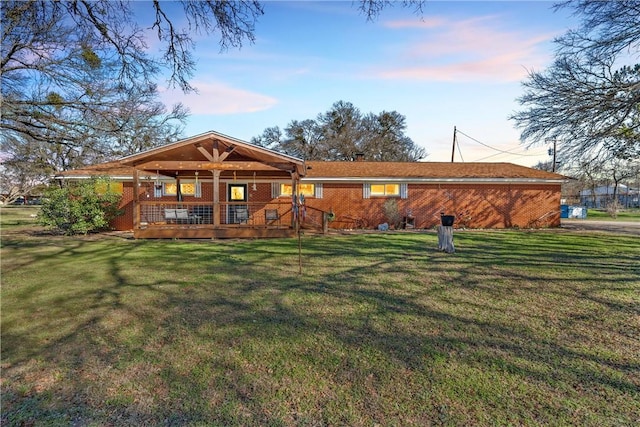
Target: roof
426, 171
114, 169
359, 171
194, 154
197, 153
200, 149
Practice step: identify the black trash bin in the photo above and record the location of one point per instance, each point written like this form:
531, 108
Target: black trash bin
447, 220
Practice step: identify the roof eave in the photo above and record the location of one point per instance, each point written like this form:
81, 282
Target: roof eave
419, 180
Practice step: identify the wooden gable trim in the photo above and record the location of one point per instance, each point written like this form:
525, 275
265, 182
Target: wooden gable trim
259, 155
204, 152
209, 165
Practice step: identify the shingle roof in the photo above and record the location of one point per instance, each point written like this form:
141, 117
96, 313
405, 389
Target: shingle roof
425, 170
374, 170
113, 169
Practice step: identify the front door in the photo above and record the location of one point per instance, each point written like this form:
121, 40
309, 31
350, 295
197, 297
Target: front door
238, 213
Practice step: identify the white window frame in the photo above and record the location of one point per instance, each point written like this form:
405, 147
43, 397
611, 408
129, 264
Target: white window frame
403, 191
276, 189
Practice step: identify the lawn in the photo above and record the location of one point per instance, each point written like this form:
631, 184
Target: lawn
515, 328
623, 215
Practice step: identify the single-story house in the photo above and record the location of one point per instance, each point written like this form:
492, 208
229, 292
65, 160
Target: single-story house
215, 186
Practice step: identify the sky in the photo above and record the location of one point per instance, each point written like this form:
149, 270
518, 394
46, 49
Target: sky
459, 65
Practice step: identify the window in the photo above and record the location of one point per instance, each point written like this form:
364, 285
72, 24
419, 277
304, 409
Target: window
309, 190
187, 188
385, 189
103, 187
170, 189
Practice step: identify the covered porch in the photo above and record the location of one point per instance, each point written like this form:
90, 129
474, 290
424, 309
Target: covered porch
214, 186
161, 220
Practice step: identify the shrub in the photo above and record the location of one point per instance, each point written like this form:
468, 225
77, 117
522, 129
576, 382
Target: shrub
392, 213
80, 208
613, 208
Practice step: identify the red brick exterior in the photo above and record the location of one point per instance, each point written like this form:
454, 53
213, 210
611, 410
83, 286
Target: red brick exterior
474, 205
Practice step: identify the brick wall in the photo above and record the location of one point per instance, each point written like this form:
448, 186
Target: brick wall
474, 205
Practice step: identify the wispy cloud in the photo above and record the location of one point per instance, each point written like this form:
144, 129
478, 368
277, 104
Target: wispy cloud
469, 50
430, 22
219, 98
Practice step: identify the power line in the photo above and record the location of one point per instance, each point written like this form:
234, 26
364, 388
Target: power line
460, 152
512, 152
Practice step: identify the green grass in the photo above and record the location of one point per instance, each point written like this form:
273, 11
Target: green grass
623, 215
515, 328
17, 217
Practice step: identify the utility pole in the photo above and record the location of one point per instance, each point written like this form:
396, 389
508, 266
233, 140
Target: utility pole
552, 152
453, 149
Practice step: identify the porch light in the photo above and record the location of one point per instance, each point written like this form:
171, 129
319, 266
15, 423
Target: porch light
158, 186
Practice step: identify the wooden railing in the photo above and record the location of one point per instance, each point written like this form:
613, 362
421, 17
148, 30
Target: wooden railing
230, 213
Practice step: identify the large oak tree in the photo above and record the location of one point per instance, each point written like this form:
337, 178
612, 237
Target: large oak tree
344, 133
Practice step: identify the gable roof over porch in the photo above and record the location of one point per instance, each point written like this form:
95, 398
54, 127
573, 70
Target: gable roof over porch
215, 151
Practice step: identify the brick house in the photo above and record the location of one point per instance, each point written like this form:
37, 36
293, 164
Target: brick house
215, 186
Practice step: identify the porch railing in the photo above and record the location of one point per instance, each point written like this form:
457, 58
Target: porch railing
267, 214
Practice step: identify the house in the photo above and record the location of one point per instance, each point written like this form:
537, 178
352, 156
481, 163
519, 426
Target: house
215, 186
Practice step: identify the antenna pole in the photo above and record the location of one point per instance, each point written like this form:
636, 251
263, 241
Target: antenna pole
453, 149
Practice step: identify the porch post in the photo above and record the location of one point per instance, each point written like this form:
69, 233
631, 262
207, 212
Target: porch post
216, 197
136, 199
295, 197
215, 157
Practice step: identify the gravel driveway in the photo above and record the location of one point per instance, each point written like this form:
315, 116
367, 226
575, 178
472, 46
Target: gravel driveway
620, 227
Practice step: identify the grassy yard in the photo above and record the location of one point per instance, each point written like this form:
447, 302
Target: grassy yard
515, 328
623, 215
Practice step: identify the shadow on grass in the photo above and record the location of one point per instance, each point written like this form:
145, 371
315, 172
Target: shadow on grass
378, 329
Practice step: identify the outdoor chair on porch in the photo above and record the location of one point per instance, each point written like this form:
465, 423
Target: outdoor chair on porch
182, 216
242, 215
179, 216
170, 215
271, 216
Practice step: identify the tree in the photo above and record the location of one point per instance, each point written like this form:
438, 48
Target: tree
73, 75
54, 52
590, 173
387, 139
589, 98
304, 140
619, 171
134, 123
544, 166
343, 133
17, 181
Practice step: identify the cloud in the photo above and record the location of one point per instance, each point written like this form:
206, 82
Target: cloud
469, 50
218, 98
413, 23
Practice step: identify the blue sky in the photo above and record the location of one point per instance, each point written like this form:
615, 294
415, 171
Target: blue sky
460, 65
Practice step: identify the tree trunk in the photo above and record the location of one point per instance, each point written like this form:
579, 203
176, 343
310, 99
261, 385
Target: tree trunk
445, 239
